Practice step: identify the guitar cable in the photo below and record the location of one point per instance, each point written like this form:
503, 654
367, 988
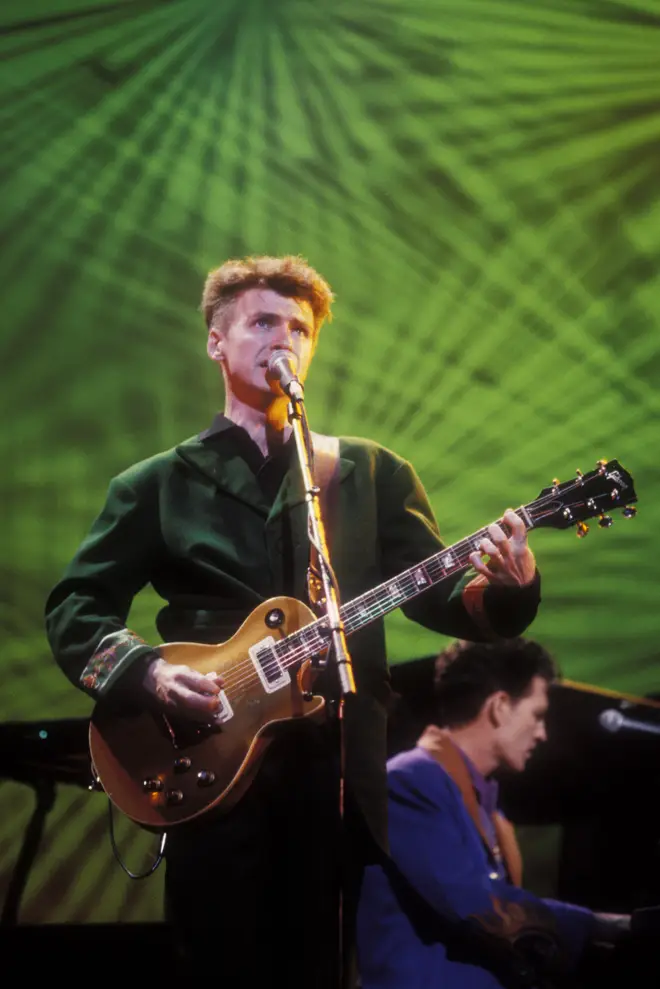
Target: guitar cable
115, 850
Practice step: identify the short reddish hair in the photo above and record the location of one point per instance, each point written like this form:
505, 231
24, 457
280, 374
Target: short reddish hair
290, 275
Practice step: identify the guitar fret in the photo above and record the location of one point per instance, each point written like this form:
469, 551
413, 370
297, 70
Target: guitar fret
396, 593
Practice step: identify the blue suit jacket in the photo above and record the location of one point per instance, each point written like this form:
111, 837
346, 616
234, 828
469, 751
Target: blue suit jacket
439, 874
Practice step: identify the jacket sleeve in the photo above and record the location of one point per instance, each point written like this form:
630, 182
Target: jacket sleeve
87, 610
439, 854
462, 605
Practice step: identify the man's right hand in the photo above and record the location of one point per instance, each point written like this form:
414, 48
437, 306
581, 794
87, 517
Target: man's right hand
183, 691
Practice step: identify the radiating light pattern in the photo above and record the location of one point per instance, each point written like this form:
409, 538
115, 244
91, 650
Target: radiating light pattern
478, 181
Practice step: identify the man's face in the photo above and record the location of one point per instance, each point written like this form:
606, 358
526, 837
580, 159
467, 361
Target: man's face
259, 322
522, 725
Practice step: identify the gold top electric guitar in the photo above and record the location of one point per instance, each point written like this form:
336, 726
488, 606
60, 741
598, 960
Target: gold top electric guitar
161, 771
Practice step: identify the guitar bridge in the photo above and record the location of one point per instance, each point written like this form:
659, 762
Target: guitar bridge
224, 711
269, 669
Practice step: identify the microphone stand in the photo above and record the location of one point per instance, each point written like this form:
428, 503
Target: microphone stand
329, 603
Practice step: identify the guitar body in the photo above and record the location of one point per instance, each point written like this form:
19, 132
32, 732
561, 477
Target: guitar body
149, 762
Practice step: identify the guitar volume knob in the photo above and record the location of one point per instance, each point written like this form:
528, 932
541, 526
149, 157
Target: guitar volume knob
152, 786
182, 764
174, 797
205, 777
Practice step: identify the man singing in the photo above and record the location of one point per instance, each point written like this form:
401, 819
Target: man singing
218, 525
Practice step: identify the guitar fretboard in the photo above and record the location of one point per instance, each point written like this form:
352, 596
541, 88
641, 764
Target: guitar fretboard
312, 640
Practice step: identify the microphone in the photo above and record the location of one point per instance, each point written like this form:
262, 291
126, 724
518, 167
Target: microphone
613, 721
283, 367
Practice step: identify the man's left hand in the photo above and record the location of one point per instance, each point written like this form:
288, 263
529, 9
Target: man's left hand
511, 562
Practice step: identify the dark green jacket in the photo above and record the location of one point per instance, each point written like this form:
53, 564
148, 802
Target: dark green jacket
195, 524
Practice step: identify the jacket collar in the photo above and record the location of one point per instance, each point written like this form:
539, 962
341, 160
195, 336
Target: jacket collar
440, 746
213, 454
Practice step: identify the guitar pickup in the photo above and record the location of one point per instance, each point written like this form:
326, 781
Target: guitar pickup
271, 673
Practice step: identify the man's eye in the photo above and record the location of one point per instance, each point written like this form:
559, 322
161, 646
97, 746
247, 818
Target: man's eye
303, 330
264, 322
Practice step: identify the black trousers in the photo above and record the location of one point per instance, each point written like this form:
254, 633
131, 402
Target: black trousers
260, 895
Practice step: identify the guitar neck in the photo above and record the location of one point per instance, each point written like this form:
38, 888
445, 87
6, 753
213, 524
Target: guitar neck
414, 581
313, 639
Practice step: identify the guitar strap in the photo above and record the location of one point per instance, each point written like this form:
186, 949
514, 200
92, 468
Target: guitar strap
326, 477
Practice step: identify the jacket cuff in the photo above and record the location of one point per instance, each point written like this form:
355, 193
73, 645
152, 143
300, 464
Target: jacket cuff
499, 610
115, 655
512, 609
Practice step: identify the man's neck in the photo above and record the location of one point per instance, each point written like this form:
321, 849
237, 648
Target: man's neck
268, 427
479, 750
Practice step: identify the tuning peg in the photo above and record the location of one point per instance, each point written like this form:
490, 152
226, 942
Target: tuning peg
605, 521
601, 465
629, 512
579, 474
581, 529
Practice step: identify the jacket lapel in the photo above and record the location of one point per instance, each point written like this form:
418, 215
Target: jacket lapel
218, 462
506, 839
226, 469
292, 493
438, 744
290, 503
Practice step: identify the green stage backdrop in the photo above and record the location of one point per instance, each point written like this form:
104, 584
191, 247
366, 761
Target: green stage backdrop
479, 181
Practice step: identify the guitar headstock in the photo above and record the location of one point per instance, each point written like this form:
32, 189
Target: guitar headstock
588, 496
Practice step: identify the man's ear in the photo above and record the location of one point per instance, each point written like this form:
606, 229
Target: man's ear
214, 345
498, 708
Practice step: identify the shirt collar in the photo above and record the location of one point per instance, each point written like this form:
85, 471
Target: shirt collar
487, 790
219, 425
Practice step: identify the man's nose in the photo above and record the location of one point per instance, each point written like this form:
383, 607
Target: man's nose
283, 339
541, 732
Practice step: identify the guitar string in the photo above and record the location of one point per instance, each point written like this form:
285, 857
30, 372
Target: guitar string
285, 655
290, 655
293, 653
